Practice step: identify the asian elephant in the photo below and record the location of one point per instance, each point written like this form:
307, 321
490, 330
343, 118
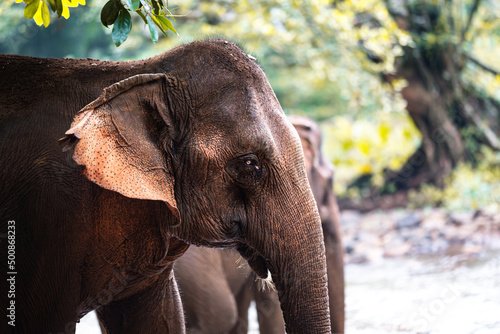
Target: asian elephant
217, 286
188, 147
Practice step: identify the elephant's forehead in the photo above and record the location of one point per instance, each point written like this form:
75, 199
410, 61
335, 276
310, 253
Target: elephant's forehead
224, 138
244, 119
211, 143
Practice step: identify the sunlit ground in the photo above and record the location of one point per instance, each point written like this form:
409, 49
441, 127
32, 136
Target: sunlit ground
88, 325
440, 295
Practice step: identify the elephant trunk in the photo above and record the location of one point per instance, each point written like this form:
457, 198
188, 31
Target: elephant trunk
335, 261
294, 253
302, 281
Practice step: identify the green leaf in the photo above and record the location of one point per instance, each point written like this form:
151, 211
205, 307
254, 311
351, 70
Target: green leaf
160, 26
133, 4
142, 16
31, 9
121, 28
45, 14
169, 13
59, 8
152, 30
52, 4
166, 24
109, 13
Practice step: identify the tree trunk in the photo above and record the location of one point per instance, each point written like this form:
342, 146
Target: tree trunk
428, 96
453, 118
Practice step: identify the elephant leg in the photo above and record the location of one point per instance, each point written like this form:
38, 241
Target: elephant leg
156, 309
207, 297
101, 326
268, 311
214, 311
335, 269
243, 299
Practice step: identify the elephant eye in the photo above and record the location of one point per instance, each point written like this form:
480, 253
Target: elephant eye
253, 163
246, 169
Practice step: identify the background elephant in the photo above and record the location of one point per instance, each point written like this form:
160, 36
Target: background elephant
217, 300
190, 146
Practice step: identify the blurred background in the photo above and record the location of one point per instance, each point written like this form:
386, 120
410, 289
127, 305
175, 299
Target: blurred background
407, 94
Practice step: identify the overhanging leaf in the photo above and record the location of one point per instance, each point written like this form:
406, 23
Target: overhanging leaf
45, 14
109, 13
53, 5
133, 4
60, 9
71, 3
152, 30
31, 9
121, 27
142, 16
65, 12
170, 14
166, 24
159, 26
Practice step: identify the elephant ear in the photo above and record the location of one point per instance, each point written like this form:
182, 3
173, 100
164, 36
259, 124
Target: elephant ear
116, 138
310, 137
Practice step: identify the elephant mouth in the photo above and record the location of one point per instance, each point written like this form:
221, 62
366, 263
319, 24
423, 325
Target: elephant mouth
256, 261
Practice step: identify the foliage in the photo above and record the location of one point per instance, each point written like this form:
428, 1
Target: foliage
81, 36
445, 54
38, 10
323, 58
368, 146
154, 13
467, 187
21, 36
308, 49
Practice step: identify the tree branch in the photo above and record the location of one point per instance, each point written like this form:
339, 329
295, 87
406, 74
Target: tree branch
428, 24
469, 113
451, 21
481, 65
489, 135
469, 21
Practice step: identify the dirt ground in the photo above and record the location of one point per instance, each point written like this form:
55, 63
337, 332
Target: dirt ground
423, 271
427, 232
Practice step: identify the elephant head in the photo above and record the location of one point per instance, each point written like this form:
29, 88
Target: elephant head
206, 135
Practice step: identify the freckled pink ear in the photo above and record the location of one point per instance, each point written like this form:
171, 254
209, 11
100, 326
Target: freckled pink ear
114, 138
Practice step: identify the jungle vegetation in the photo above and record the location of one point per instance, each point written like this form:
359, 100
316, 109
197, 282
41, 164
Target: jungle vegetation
406, 91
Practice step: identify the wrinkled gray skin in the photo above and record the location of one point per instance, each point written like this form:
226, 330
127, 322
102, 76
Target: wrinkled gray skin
217, 285
188, 147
